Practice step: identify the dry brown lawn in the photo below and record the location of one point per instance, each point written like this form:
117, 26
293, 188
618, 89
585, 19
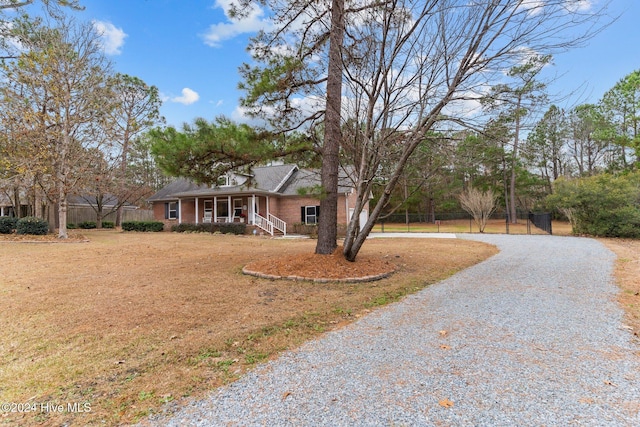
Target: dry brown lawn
127, 322
627, 274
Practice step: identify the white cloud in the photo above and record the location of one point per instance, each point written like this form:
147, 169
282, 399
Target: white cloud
188, 97
531, 7
112, 38
222, 31
578, 5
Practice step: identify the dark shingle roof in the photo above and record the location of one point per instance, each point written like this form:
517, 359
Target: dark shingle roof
286, 180
310, 178
180, 185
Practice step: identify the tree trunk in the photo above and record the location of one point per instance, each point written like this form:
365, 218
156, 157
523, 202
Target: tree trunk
118, 217
514, 162
432, 210
51, 216
62, 214
37, 203
123, 172
328, 221
406, 208
17, 208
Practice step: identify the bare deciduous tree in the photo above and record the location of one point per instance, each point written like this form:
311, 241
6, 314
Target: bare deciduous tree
479, 204
61, 82
415, 67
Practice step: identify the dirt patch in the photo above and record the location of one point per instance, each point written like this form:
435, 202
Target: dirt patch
131, 322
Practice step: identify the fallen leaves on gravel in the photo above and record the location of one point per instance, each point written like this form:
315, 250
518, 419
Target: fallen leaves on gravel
446, 403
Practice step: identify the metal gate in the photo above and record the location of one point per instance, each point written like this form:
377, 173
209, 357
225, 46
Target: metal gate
541, 220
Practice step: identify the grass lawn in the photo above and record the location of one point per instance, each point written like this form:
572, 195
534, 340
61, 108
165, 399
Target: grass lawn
127, 322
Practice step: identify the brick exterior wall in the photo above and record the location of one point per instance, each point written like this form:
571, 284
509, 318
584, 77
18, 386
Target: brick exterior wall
188, 211
158, 215
285, 208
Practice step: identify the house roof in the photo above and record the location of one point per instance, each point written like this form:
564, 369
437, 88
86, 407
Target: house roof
179, 185
284, 180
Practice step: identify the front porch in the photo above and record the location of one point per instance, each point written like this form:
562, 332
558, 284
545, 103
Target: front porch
252, 209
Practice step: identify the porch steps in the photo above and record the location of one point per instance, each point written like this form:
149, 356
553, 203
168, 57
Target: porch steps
273, 225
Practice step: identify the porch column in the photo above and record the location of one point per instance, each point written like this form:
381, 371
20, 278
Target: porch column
179, 211
196, 211
215, 208
253, 209
267, 215
230, 219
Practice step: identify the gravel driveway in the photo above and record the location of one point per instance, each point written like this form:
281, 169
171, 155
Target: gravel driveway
530, 337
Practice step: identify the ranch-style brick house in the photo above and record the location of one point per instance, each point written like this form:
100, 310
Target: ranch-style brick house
270, 198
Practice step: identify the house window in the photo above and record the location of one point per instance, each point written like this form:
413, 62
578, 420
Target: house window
171, 210
222, 208
309, 214
237, 208
223, 181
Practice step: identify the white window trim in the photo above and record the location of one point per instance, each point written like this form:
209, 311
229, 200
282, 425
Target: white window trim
175, 211
306, 214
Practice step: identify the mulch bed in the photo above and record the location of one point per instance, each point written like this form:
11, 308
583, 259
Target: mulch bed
322, 268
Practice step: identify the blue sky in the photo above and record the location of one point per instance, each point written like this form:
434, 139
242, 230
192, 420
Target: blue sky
191, 51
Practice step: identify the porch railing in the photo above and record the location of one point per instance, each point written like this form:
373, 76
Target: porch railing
264, 223
278, 224
271, 224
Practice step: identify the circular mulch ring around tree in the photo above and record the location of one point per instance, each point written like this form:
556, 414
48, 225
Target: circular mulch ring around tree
321, 268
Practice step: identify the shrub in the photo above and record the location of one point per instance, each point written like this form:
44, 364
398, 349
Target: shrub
142, 226
187, 228
108, 224
87, 225
620, 222
32, 225
7, 224
71, 226
603, 205
214, 227
310, 230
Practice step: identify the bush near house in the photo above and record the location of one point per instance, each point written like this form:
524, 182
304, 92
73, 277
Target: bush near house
214, 227
32, 225
311, 230
88, 225
8, 224
306, 229
142, 226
